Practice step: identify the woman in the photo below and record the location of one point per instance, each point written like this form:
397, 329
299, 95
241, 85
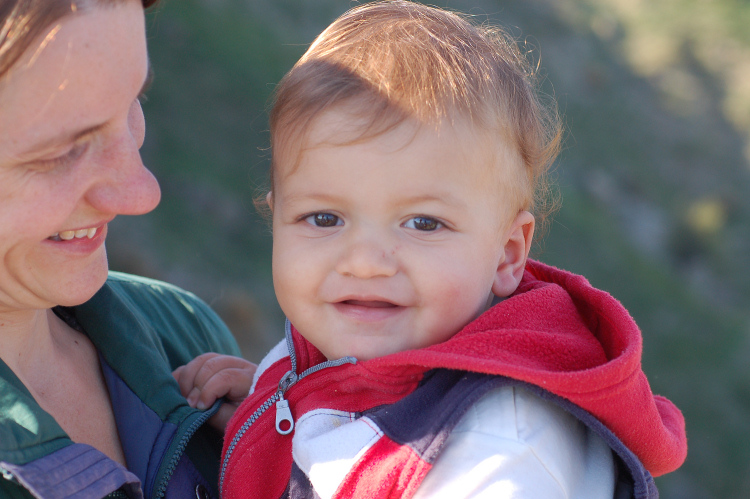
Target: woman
88, 406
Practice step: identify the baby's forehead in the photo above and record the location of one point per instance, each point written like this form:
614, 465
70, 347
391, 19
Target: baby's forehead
491, 162
345, 125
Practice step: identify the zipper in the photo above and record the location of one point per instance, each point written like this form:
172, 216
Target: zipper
7, 474
283, 412
180, 449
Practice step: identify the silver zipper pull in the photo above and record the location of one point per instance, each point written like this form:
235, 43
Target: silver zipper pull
283, 414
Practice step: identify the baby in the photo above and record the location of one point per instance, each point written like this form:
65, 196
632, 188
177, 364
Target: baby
409, 157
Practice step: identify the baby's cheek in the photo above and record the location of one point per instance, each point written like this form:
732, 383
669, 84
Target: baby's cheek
466, 295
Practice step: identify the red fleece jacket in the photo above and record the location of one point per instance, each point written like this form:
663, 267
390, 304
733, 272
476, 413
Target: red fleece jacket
560, 333
556, 332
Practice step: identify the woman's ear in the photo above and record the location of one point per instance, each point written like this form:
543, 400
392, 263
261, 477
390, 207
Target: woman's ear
269, 200
516, 250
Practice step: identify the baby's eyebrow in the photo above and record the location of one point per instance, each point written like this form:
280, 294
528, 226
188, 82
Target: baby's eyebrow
312, 196
440, 197
444, 198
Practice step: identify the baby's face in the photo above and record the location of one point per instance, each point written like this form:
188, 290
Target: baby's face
389, 244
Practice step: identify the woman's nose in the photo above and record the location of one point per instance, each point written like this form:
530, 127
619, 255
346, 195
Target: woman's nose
366, 255
129, 189
125, 186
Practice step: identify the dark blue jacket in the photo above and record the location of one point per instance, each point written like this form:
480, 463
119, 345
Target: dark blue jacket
143, 329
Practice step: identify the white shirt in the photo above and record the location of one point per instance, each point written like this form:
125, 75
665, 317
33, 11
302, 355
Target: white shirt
514, 444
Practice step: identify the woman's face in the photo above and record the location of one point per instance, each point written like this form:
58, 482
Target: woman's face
70, 130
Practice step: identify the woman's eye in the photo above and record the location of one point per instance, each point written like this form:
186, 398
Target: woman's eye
323, 220
75, 153
69, 157
426, 224
142, 97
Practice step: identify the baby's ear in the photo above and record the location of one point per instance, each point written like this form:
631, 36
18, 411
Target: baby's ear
269, 200
517, 247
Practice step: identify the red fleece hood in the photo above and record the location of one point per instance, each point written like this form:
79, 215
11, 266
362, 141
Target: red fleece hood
559, 333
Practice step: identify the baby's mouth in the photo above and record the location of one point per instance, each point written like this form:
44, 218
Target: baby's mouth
369, 304
369, 309
67, 235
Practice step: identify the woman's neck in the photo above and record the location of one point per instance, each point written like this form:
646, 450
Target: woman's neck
60, 368
36, 344
26, 338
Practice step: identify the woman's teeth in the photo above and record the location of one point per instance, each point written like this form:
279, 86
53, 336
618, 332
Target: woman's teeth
67, 235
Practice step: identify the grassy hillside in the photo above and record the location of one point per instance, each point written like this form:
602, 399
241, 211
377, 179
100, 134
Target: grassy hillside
655, 179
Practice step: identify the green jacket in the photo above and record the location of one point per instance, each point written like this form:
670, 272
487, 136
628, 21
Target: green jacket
143, 330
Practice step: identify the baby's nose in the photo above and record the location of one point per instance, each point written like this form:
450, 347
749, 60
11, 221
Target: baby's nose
368, 257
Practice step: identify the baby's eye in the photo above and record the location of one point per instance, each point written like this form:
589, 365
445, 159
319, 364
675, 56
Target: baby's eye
323, 220
426, 224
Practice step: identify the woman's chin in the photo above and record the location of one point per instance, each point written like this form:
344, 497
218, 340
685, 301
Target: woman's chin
80, 287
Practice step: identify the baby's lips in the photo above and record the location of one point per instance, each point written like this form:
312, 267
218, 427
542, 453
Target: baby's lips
370, 303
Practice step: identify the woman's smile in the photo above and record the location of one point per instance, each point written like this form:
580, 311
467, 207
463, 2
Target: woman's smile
67, 235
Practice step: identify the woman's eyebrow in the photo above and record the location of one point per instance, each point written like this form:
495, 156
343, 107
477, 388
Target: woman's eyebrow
65, 138
68, 137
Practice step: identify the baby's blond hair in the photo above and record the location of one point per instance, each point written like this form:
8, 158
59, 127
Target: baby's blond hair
393, 60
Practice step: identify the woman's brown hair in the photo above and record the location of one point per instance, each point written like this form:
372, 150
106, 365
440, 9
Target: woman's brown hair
23, 21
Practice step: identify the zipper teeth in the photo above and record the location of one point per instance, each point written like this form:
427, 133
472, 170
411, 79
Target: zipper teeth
290, 344
324, 365
252, 419
278, 395
260, 410
7, 474
313, 369
162, 489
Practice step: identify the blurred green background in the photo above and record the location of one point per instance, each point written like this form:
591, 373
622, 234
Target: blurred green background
655, 180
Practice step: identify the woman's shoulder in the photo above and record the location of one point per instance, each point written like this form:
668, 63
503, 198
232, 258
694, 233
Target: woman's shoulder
143, 290
161, 303
139, 309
